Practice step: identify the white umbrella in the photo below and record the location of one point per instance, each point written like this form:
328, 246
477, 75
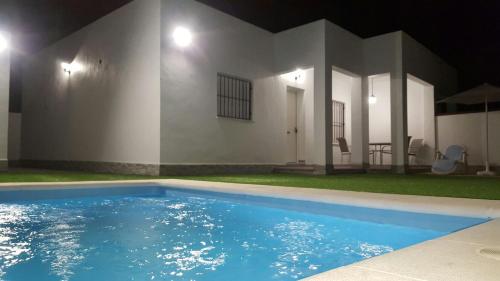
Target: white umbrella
483, 93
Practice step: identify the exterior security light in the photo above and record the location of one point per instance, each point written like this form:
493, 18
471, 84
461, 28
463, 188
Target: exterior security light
66, 67
298, 76
372, 99
182, 36
4, 44
71, 67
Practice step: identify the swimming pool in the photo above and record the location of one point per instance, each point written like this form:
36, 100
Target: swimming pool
167, 233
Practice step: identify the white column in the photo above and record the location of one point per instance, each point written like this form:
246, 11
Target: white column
399, 123
4, 105
323, 133
360, 121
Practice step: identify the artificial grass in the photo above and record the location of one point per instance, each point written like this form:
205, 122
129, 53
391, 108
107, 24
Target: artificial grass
60, 176
429, 185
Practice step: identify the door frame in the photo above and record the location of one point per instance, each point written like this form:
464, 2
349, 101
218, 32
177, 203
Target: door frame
299, 124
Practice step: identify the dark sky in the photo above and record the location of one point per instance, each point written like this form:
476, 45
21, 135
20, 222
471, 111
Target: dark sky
465, 33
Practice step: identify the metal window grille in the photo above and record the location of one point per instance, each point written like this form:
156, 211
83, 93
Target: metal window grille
234, 97
338, 120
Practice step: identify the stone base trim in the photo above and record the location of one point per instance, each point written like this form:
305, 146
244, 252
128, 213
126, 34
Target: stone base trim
399, 169
326, 170
91, 166
214, 169
472, 170
4, 165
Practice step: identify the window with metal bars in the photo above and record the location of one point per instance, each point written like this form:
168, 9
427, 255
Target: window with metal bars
234, 97
338, 111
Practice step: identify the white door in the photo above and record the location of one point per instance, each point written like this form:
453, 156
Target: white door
291, 129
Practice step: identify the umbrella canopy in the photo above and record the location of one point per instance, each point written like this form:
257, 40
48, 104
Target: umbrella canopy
479, 94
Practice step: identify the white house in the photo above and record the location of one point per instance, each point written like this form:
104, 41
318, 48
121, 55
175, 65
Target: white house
4, 97
174, 86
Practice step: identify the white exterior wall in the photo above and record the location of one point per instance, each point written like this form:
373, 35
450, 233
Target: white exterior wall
14, 151
305, 112
191, 131
111, 110
437, 79
380, 112
342, 91
401, 56
304, 47
152, 102
4, 103
421, 120
383, 55
344, 50
469, 130
415, 110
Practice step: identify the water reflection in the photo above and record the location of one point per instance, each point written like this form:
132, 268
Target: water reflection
15, 236
300, 240
60, 241
49, 232
191, 223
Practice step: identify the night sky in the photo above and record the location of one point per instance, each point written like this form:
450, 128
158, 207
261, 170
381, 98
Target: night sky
464, 33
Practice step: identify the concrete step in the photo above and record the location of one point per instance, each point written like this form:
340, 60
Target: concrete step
295, 169
345, 171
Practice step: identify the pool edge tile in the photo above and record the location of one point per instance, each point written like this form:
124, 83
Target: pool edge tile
451, 260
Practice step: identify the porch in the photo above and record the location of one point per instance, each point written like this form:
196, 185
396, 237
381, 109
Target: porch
362, 128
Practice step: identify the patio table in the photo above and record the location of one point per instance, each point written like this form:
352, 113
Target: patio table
380, 150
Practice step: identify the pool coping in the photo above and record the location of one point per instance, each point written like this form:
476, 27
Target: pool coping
413, 203
454, 257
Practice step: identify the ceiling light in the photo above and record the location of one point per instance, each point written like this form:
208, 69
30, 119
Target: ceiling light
372, 99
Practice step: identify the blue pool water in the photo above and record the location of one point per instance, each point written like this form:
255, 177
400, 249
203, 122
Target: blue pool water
156, 233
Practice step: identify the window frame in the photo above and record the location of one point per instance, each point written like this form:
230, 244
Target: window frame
338, 126
234, 97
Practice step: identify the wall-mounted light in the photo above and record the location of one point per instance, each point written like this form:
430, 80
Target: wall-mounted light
71, 67
372, 99
182, 36
297, 76
4, 43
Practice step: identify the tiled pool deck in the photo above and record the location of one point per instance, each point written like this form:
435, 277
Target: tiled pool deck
450, 258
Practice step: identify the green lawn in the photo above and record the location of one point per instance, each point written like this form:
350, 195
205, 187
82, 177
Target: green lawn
447, 186
60, 176
430, 185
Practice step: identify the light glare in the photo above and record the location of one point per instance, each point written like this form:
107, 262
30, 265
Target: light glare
297, 76
4, 44
71, 67
182, 36
372, 99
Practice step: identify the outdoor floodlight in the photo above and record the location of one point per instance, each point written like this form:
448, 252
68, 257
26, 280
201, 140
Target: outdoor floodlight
4, 44
182, 36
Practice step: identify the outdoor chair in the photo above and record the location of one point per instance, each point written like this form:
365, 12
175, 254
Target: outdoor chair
344, 149
413, 147
447, 164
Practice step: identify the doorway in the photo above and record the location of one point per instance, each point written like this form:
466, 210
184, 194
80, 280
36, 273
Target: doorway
295, 126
